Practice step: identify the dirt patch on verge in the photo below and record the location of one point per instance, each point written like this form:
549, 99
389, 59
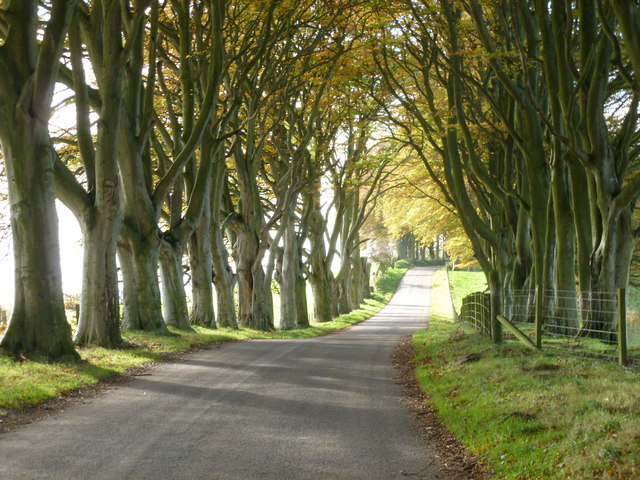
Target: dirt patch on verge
17, 418
457, 462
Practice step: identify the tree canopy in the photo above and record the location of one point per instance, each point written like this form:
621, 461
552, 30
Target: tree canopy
240, 143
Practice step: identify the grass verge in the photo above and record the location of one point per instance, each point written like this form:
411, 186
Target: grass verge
26, 383
464, 283
529, 415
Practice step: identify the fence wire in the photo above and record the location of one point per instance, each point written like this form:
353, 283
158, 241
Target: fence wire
583, 324
476, 309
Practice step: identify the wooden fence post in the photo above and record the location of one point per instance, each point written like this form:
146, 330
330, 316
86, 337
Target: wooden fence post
622, 326
539, 315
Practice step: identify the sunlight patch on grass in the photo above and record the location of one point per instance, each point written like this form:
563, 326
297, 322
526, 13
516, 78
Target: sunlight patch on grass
463, 283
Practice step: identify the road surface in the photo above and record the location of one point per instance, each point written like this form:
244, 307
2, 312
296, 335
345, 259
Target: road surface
318, 409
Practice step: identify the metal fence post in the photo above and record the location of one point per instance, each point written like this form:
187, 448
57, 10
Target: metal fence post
622, 326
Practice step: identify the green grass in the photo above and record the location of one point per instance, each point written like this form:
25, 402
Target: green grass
25, 383
463, 283
530, 415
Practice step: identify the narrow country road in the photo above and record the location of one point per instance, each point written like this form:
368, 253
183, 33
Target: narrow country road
318, 409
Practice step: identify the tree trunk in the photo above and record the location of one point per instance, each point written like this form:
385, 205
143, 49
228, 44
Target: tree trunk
174, 297
356, 279
584, 240
99, 322
38, 323
610, 271
223, 277
495, 288
302, 314
566, 307
262, 301
31, 48
246, 250
142, 305
224, 282
365, 265
288, 304
324, 299
255, 301
345, 297
325, 304
200, 259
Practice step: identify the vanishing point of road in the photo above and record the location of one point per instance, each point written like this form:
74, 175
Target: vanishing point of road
318, 409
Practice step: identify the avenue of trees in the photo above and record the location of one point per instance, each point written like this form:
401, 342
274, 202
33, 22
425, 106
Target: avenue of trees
204, 130
525, 115
258, 141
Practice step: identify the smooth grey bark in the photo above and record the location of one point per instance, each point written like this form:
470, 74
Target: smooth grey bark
38, 324
142, 302
356, 278
201, 263
302, 305
224, 281
174, 304
324, 298
97, 208
320, 277
139, 240
566, 306
254, 302
365, 267
288, 304
583, 229
345, 295
288, 273
223, 277
344, 278
174, 299
28, 62
99, 322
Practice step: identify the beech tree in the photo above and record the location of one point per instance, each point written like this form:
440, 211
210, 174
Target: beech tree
530, 92
140, 239
94, 197
29, 51
585, 74
197, 55
286, 45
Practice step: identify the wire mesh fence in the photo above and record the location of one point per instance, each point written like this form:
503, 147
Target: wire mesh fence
584, 324
476, 309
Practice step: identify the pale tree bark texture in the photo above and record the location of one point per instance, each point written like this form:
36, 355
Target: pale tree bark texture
97, 207
28, 66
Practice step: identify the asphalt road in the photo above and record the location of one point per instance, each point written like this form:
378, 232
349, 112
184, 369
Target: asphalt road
321, 408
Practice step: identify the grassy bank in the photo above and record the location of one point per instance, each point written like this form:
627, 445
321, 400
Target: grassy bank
529, 415
464, 283
24, 383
